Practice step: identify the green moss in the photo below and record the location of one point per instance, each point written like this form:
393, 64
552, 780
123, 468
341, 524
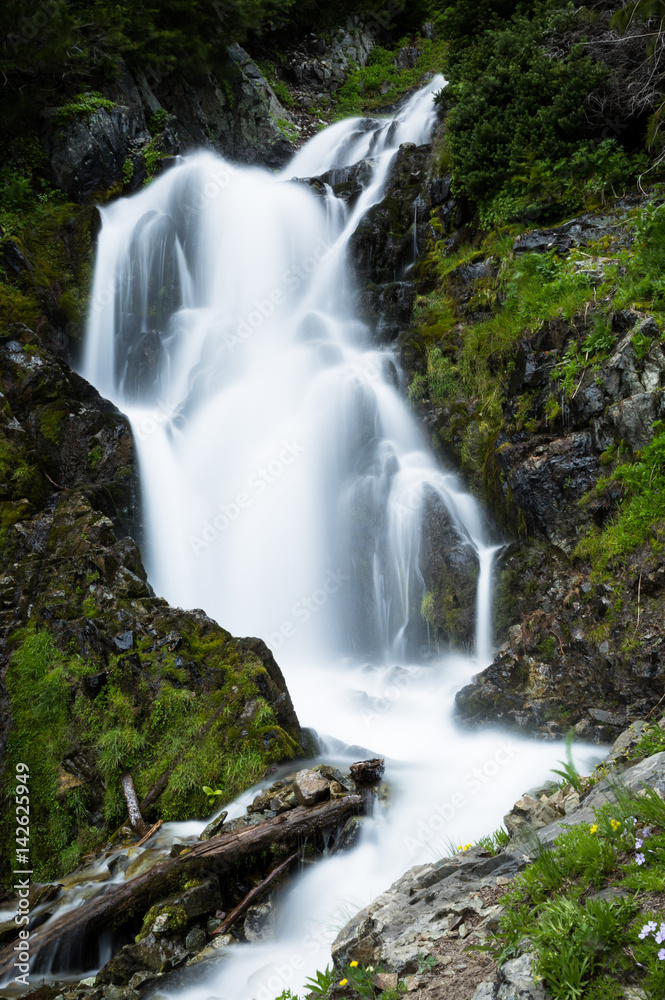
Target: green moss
176, 920
127, 170
159, 120
85, 103
50, 420
94, 457
39, 682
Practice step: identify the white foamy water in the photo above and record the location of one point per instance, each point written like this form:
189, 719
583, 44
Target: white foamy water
285, 485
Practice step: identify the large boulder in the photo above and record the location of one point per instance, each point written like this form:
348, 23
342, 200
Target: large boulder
430, 903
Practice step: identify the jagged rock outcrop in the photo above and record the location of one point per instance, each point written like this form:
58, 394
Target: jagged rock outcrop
428, 907
151, 119
386, 245
565, 413
318, 66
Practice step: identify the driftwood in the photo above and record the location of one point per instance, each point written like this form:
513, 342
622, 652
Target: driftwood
117, 905
148, 835
139, 825
245, 904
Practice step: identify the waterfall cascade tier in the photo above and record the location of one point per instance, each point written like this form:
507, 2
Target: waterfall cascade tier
278, 458
286, 487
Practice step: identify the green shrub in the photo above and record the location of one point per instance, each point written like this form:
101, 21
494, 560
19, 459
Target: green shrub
85, 103
516, 124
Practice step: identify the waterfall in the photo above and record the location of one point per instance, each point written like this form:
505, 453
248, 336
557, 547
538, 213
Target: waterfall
285, 486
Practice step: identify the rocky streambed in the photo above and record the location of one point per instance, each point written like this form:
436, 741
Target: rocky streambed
176, 900
426, 935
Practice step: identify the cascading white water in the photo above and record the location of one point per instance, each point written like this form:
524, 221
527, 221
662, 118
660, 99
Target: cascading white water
285, 484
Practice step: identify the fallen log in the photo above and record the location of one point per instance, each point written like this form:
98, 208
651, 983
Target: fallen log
245, 904
139, 825
117, 905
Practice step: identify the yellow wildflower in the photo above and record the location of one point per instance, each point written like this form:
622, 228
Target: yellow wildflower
615, 824
353, 965
343, 982
467, 846
594, 828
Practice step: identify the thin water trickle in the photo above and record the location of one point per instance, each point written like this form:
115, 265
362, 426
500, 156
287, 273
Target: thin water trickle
285, 485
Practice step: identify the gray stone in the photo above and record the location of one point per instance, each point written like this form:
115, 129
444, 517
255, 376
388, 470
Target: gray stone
310, 788
420, 908
196, 939
124, 641
260, 922
627, 739
649, 772
529, 814
513, 981
200, 899
214, 827
600, 715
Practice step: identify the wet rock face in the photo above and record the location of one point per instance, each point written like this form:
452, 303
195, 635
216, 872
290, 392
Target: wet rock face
382, 247
390, 237
449, 565
87, 154
547, 472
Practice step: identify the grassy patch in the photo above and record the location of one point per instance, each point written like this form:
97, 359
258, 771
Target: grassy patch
145, 720
381, 83
584, 941
641, 514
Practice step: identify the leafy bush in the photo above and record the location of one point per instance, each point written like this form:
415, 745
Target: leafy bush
84, 104
517, 137
15, 189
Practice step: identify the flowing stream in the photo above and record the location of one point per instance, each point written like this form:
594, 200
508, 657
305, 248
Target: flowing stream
285, 486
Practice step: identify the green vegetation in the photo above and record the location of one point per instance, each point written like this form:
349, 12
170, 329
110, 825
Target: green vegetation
84, 104
148, 723
568, 772
356, 977
159, 121
640, 516
381, 83
517, 140
651, 741
583, 941
493, 842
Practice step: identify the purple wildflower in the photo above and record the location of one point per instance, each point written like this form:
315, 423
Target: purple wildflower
661, 954
639, 858
647, 929
638, 843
